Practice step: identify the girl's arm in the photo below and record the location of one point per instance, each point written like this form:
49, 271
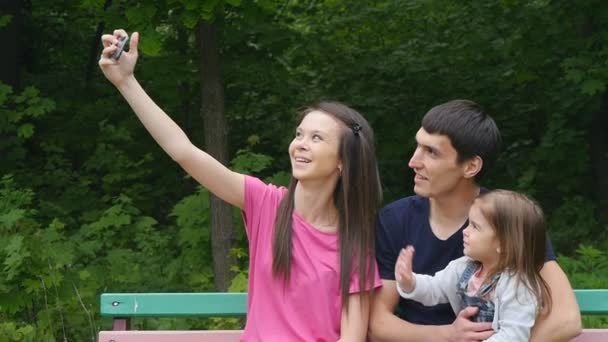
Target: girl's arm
353, 326
225, 184
440, 288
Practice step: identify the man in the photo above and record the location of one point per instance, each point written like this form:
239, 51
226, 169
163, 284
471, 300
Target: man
456, 144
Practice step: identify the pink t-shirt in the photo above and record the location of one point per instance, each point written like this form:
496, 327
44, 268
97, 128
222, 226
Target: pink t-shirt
308, 307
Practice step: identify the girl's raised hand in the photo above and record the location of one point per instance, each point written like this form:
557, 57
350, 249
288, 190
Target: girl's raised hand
117, 71
403, 270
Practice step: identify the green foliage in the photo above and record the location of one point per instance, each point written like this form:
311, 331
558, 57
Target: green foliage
5, 20
26, 333
248, 162
19, 114
29, 267
588, 270
90, 204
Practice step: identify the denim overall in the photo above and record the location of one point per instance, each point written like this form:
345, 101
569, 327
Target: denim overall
486, 307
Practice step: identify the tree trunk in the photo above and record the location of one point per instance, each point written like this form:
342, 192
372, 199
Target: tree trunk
10, 36
216, 144
599, 158
94, 47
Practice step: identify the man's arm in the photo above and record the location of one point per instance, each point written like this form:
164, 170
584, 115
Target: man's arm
564, 321
384, 326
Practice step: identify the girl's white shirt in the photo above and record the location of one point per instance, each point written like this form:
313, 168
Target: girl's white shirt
515, 305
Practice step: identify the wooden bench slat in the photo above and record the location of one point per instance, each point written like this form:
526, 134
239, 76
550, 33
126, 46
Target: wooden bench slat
173, 336
592, 302
173, 304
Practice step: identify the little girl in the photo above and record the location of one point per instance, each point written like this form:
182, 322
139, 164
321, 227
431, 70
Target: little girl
504, 248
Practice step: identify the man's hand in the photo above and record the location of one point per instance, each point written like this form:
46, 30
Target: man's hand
464, 330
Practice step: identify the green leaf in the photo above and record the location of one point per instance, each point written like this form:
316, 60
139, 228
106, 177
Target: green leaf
148, 11
32, 285
239, 283
135, 15
208, 9
9, 219
5, 91
25, 131
575, 75
253, 139
592, 87
188, 210
93, 4
190, 19
16, 253
209, 5
30, 92
280, 178
191, 4
247, 162
267, 5
84, 275
5, 20
151, 42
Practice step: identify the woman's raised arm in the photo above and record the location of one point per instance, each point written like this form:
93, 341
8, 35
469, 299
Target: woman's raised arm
221, 181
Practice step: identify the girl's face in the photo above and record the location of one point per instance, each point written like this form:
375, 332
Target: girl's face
480, 241
314, 149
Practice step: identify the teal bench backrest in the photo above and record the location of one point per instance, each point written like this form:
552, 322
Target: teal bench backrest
591, 302
210, 304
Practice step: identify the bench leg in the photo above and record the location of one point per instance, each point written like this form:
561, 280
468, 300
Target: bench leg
121, 324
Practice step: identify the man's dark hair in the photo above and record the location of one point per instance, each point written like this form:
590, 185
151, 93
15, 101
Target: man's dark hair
471, 131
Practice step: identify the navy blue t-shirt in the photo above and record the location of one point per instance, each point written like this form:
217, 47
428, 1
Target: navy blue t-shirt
406, 222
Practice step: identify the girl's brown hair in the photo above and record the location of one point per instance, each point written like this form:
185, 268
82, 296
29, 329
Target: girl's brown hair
519, 224
357, 197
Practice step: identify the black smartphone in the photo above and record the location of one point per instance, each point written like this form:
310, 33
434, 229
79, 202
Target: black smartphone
122, 41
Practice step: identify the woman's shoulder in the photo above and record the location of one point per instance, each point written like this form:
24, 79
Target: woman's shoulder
259, 195
257, 185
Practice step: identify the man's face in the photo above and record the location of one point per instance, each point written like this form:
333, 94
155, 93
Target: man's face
435, 165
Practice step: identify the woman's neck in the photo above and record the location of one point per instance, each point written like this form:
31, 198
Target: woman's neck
314, 202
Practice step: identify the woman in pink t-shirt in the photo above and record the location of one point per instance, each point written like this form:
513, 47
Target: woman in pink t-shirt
312, 266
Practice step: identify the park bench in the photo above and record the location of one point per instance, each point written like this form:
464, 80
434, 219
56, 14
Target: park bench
122, 307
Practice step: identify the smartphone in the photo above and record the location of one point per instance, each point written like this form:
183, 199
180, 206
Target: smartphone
122, 41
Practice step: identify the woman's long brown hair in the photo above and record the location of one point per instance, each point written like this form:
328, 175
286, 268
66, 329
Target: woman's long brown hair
519, 224
357, 197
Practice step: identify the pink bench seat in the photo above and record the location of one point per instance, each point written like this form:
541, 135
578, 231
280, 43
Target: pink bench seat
592, 335
171, 336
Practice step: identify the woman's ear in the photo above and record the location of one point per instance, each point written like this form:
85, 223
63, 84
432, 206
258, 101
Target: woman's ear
472, 167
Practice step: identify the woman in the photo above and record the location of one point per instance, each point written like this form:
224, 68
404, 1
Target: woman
311, 245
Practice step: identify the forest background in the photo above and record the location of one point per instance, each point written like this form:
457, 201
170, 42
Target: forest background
90, 204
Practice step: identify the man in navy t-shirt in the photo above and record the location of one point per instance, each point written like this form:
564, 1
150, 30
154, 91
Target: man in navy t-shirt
455, 146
